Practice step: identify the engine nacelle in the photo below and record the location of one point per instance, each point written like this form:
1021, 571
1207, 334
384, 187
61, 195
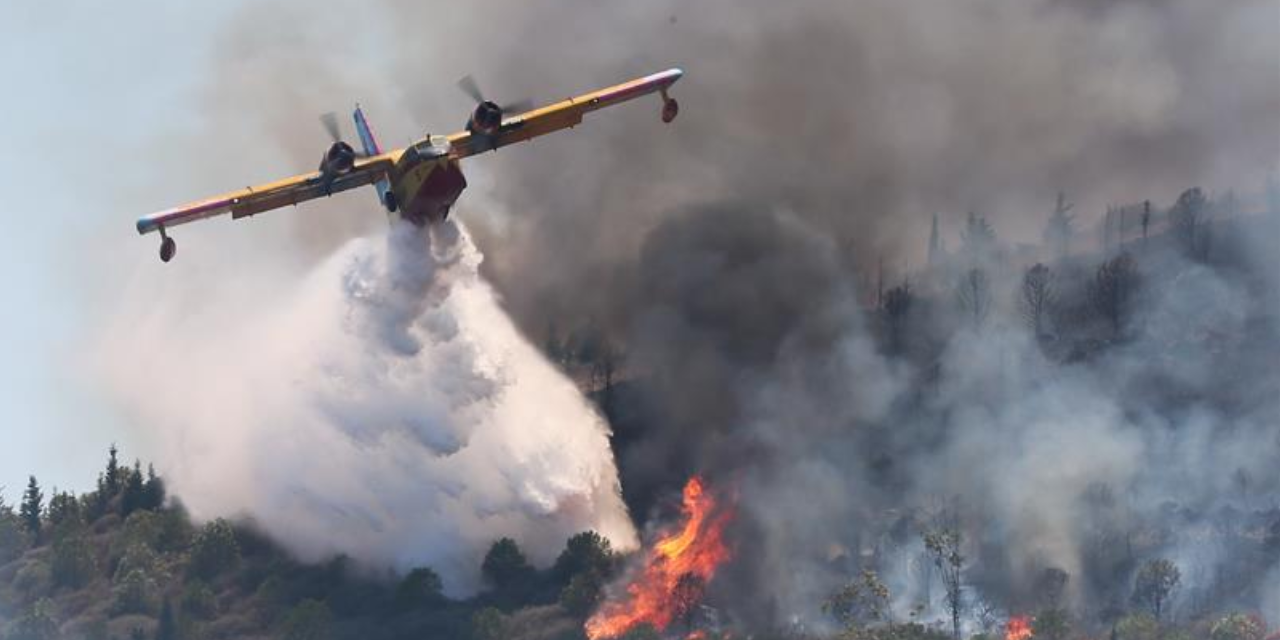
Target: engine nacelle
339, 159
486, 119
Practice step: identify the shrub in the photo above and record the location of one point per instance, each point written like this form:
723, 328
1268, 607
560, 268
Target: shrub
1237, 626
199, 601
36, 623
309, 620
1139, 626
35, 579
72, 564
136, 593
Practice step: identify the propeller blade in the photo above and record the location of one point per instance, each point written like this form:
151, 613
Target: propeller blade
330, 122
520, 106
468, 86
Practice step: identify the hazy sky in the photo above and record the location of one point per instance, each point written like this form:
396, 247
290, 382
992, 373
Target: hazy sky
87, 86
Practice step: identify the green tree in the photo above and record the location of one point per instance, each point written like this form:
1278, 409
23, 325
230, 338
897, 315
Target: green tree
585, 552
133, 497
13, 535
175, 530
72, 564
1155, 584
214, 550
138, 557
860, 602
63, 515
31, 509
36, 623
1052, 624
140, 529
488, 624
1238, 626
112, 480
135, 593
308, 620
421, 588
153, 490
583, 594
95, 502
505, 566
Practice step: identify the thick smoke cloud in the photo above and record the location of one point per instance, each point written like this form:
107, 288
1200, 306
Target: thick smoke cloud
724, 255
729, 254
386, 409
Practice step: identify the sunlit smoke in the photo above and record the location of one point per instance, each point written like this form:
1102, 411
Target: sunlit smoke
384, 407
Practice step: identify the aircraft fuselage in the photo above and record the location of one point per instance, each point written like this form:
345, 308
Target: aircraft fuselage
425, 182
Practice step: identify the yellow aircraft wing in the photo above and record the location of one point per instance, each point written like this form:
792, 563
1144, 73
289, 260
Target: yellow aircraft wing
565, 114
273, 195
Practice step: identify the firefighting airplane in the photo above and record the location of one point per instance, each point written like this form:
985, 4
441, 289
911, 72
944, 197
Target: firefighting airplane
421, 182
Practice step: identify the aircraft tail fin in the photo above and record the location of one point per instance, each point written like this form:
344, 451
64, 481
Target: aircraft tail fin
367, 140
371, 148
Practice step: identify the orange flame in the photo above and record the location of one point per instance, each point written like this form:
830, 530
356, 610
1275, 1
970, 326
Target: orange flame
659, 594
1019, 628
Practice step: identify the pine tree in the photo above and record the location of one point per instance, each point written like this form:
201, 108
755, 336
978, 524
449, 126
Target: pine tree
32, 507
112, 477
133, 496
96, 503
153, 490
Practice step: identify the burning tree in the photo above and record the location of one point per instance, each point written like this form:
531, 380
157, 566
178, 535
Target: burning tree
676, 571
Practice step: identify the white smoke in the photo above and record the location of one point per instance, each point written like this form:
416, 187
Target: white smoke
387, 409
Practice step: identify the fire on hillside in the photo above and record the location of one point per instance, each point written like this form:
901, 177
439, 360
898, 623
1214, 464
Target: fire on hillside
676, 570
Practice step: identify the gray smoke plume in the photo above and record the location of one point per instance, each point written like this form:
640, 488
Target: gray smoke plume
386, 409
729, 256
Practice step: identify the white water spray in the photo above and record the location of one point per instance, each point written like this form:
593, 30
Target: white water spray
389, 410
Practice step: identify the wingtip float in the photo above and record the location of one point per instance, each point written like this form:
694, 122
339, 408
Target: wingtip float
418, 183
